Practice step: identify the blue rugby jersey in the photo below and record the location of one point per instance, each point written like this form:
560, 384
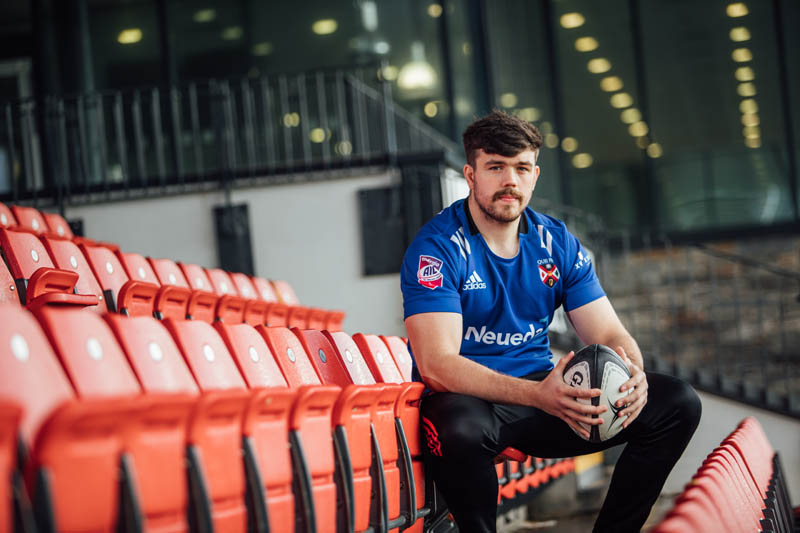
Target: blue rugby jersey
506, 304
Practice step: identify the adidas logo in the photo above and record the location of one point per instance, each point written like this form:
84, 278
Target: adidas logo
474, 282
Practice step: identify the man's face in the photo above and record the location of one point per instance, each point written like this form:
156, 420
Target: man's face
502, 186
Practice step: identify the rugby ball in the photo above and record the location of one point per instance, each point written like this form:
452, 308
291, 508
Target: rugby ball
599, 367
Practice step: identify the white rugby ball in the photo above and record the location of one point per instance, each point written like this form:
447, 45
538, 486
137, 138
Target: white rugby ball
599, 367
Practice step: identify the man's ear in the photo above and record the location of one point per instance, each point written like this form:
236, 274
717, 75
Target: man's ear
469, 175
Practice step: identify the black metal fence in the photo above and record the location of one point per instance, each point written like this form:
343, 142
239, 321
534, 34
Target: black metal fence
95, 145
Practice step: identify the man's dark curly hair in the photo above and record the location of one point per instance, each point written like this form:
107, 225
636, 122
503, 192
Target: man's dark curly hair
500, 133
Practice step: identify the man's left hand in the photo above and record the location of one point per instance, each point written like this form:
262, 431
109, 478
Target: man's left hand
634, 402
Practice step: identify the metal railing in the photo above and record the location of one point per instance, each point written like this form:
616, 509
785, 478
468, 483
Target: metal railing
99, 145
727, 322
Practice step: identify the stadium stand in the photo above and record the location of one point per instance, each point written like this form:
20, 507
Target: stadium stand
198, 410
739, 487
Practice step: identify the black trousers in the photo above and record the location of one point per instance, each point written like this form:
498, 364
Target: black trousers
465, 433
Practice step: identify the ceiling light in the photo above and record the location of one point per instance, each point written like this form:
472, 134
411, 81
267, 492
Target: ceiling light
572, 20
435, 10
746, 89
753, 142
582, 160
508, 99
638, 129
291, 120
262, 49
369, 15
748, 106
129, 36
324, 26
545, 127
431, 109
742, 55
317, 135
740, 34
232, 33
621, 100
631, 115
737, 9
343, 148
417, 74
466, 49
611, 84
204, 15
388, 73
655, 151
569, 144
598, 65
745, 74
529, 114
750, 132
750, 119
586, 44
551, 140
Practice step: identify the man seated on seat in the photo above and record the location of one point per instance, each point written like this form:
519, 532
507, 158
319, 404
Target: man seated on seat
480, 283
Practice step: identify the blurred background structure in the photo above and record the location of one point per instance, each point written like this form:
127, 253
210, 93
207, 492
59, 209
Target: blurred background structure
671, 127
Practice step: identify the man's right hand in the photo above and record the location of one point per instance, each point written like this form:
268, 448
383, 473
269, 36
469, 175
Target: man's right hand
559, 399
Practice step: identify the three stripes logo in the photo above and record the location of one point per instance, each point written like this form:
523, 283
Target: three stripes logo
474, 282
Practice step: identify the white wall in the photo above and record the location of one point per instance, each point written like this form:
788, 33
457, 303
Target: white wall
308, 234
720, 417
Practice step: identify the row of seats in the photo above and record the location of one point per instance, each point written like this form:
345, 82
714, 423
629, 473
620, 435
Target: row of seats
112, 280
258, 413
740, 487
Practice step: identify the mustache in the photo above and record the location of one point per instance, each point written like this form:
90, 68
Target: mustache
508, 191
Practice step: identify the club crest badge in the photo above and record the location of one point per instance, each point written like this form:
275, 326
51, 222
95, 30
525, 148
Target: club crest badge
549, 274
429, 273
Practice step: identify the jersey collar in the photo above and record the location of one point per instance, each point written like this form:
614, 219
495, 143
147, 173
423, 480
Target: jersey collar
473, 229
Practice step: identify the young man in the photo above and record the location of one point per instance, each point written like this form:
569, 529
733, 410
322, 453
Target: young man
480, 283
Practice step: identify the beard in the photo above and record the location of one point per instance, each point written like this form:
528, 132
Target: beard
504, 213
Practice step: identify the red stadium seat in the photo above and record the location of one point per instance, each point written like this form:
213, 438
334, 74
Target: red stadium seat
57, 226
290, 356
67, 256
30, 374
221, 282
252, 355
285, 292
377, 356
7, 218
10, 416
29, 218
197, 277
351, 357
244, 285
89, 353
168, 272
24, 252
8, 289
399, 350
137, 267
323, 357
108, 272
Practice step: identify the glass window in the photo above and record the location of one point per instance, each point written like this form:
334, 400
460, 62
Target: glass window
716, 112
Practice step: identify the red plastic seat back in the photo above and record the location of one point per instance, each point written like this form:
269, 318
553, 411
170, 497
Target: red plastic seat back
88, 351
285, 292
206, 354
323, 356
137, 267
153, 355
8, 288
67, 256
108, 271
10, 416
168, 272
197, 277
402, 358
30, 374
252, 355
221, 282
264, 289
350, 356
244, 286
29, 218
25, 253
290, 356
377, 356
58, 226
7, 218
